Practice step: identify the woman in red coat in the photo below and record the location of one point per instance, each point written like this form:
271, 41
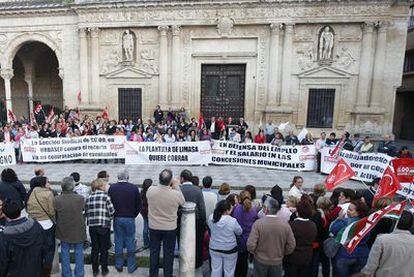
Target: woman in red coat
260, 137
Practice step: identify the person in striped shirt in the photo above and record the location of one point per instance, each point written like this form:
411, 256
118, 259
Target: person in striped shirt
99, 211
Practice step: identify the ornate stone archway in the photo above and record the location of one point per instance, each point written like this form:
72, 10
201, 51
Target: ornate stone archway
11, 51
18, 41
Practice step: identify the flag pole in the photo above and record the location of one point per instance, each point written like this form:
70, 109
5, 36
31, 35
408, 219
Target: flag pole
408, 201
367, 187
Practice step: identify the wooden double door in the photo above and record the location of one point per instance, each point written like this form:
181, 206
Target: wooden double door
223, 90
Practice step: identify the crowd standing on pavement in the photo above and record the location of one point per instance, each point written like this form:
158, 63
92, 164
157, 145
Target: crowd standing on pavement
234, 231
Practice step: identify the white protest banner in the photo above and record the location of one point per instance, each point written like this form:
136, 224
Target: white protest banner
63, 149
366, 166
300, 158
7, 154
180, 153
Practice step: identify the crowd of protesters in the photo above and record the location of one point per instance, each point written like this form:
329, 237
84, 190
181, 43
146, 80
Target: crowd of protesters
279, 236
176, 126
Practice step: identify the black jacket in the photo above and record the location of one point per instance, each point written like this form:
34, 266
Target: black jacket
13, 191
21, 249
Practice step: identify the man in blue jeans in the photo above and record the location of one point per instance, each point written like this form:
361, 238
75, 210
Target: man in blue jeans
70, 227
127, 203
163, 203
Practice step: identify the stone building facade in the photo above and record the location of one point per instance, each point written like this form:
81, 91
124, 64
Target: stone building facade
317, 64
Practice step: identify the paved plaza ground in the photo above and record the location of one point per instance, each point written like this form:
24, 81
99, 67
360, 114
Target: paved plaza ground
237, 176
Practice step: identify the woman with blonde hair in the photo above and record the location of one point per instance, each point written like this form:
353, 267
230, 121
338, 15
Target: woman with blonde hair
246, 214
224, 191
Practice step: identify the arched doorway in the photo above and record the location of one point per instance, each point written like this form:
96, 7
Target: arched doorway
36, 80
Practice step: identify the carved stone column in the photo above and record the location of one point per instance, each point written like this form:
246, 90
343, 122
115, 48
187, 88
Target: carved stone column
187, 240
84, 61
163, 71
378, 75
273, 93
7, 74
286, 65
29, 78
365, 67
175, 67
95, 92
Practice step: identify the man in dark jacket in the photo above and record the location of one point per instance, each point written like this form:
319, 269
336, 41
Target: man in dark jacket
21, 244
213, 127
11, 188
194, 194
127, 203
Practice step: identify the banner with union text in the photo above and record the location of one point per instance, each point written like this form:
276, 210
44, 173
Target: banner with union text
298, 158
82, 148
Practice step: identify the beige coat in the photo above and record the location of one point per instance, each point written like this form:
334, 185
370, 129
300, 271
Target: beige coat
45, 197
391, 255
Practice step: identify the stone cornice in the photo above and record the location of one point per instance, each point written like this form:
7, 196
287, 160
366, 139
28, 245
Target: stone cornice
197, 10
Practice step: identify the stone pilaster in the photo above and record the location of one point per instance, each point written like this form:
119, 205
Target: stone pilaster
84, 61
163, 64
29, 78
175, 67
273, 92
7, 74
378, 74
365, 67
287, 65
95, 91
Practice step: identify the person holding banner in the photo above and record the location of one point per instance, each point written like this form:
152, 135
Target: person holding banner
393, 254
345, 264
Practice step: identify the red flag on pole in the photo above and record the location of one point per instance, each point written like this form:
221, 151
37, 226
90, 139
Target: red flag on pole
388, 185
335, 152
12, 116
105, 113
341, 173
50, 116
79, 97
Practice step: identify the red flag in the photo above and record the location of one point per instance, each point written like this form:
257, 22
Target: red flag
50, 116
404, 169
79, 97
351, 235
388, 185
341, 173
201, 121
12, 116
335, 152
105, 113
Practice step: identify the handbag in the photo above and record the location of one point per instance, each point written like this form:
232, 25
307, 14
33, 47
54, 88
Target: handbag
50, 217
331, 247
241, 244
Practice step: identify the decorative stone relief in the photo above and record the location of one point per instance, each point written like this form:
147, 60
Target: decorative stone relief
344, 59
225, 26
326, 44
109, 38
111, 61
306, 58
147, 62
303, 35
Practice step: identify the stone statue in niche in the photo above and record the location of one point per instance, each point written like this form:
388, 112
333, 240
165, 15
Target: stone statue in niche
128, 46
326, 43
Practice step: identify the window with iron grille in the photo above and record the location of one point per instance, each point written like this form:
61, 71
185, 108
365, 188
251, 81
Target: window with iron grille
129, 103
320, 108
